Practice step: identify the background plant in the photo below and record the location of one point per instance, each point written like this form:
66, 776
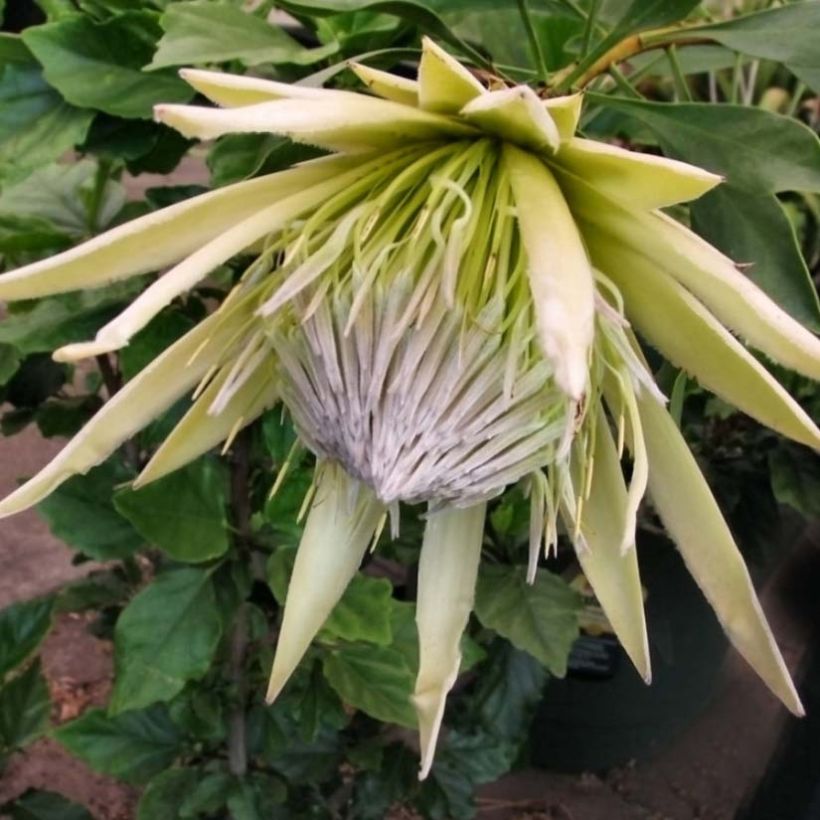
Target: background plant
197, 564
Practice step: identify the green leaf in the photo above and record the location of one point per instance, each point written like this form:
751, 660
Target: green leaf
45, 805
165, 637
158, 335
363, 613
133, 746
99, 64
36, 125
239, 156
37, 378
256, 797
787, 35
202, 31
22, 628
65, 417
755, 230
13, 49
185, 513
795, 477
541, 618
24, 708
376, 679
757, 151
81, 513
207, 796
9, 362
165, 794
29, 234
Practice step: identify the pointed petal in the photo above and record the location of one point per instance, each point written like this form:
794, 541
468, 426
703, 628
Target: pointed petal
642, 181
560, 276
445, 86
353, 124
199, 264
733, 298
689, 336
337, 534
388, 86
612, 573
448, 571
693, 519
565, 113
148, 394
238, 90
162, 238
516, 115
199, 431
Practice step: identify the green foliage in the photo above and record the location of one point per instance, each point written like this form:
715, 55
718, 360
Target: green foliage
24, 708
22, 627
45, 805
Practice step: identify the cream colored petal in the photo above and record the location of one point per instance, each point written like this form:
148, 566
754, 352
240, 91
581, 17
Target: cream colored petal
448, 571
199, 264
611, 571
560, 276
565, 113
353, 124
641, 181
164, 237
515, 115
337, 533
693, 519
689, 336
199, 431
238, 90
733, 298
388, 86
151, 392
445, 86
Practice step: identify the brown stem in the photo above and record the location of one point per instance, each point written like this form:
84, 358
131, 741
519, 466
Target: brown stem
112, 379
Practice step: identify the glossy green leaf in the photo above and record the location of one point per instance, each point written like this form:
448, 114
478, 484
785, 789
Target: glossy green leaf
99, 64
36, 125
376, 679
13, 49
133, 746
753, 230
81, 513
541, 618
166, 636
165, 794
24, 708
757, 151
45, 805
185, 513
9, 362
787, 34
202, 31
795, 477
363, 613
22, 627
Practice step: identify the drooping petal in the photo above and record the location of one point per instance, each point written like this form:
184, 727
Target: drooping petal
152, 391
355, 123
198, 265
515, 115
337, 533
164, 237
199, 430
448, 570
388, 86
238, 90
733, 298
612, 572
642, 181
691, 515
689, 336
560, 276
565, 113
445, 86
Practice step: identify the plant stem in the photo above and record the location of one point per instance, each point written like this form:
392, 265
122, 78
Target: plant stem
797, 96
589, 27
112, 379
535, 45
681, 86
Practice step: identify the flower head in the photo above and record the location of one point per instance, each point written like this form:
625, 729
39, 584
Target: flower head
446, 305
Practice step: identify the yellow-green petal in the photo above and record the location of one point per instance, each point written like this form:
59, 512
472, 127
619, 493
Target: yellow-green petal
565, 113
388, 86
448, 570
691, 515
338, 530
445, 85
689, 336
560, 276
643, 181
164, 237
